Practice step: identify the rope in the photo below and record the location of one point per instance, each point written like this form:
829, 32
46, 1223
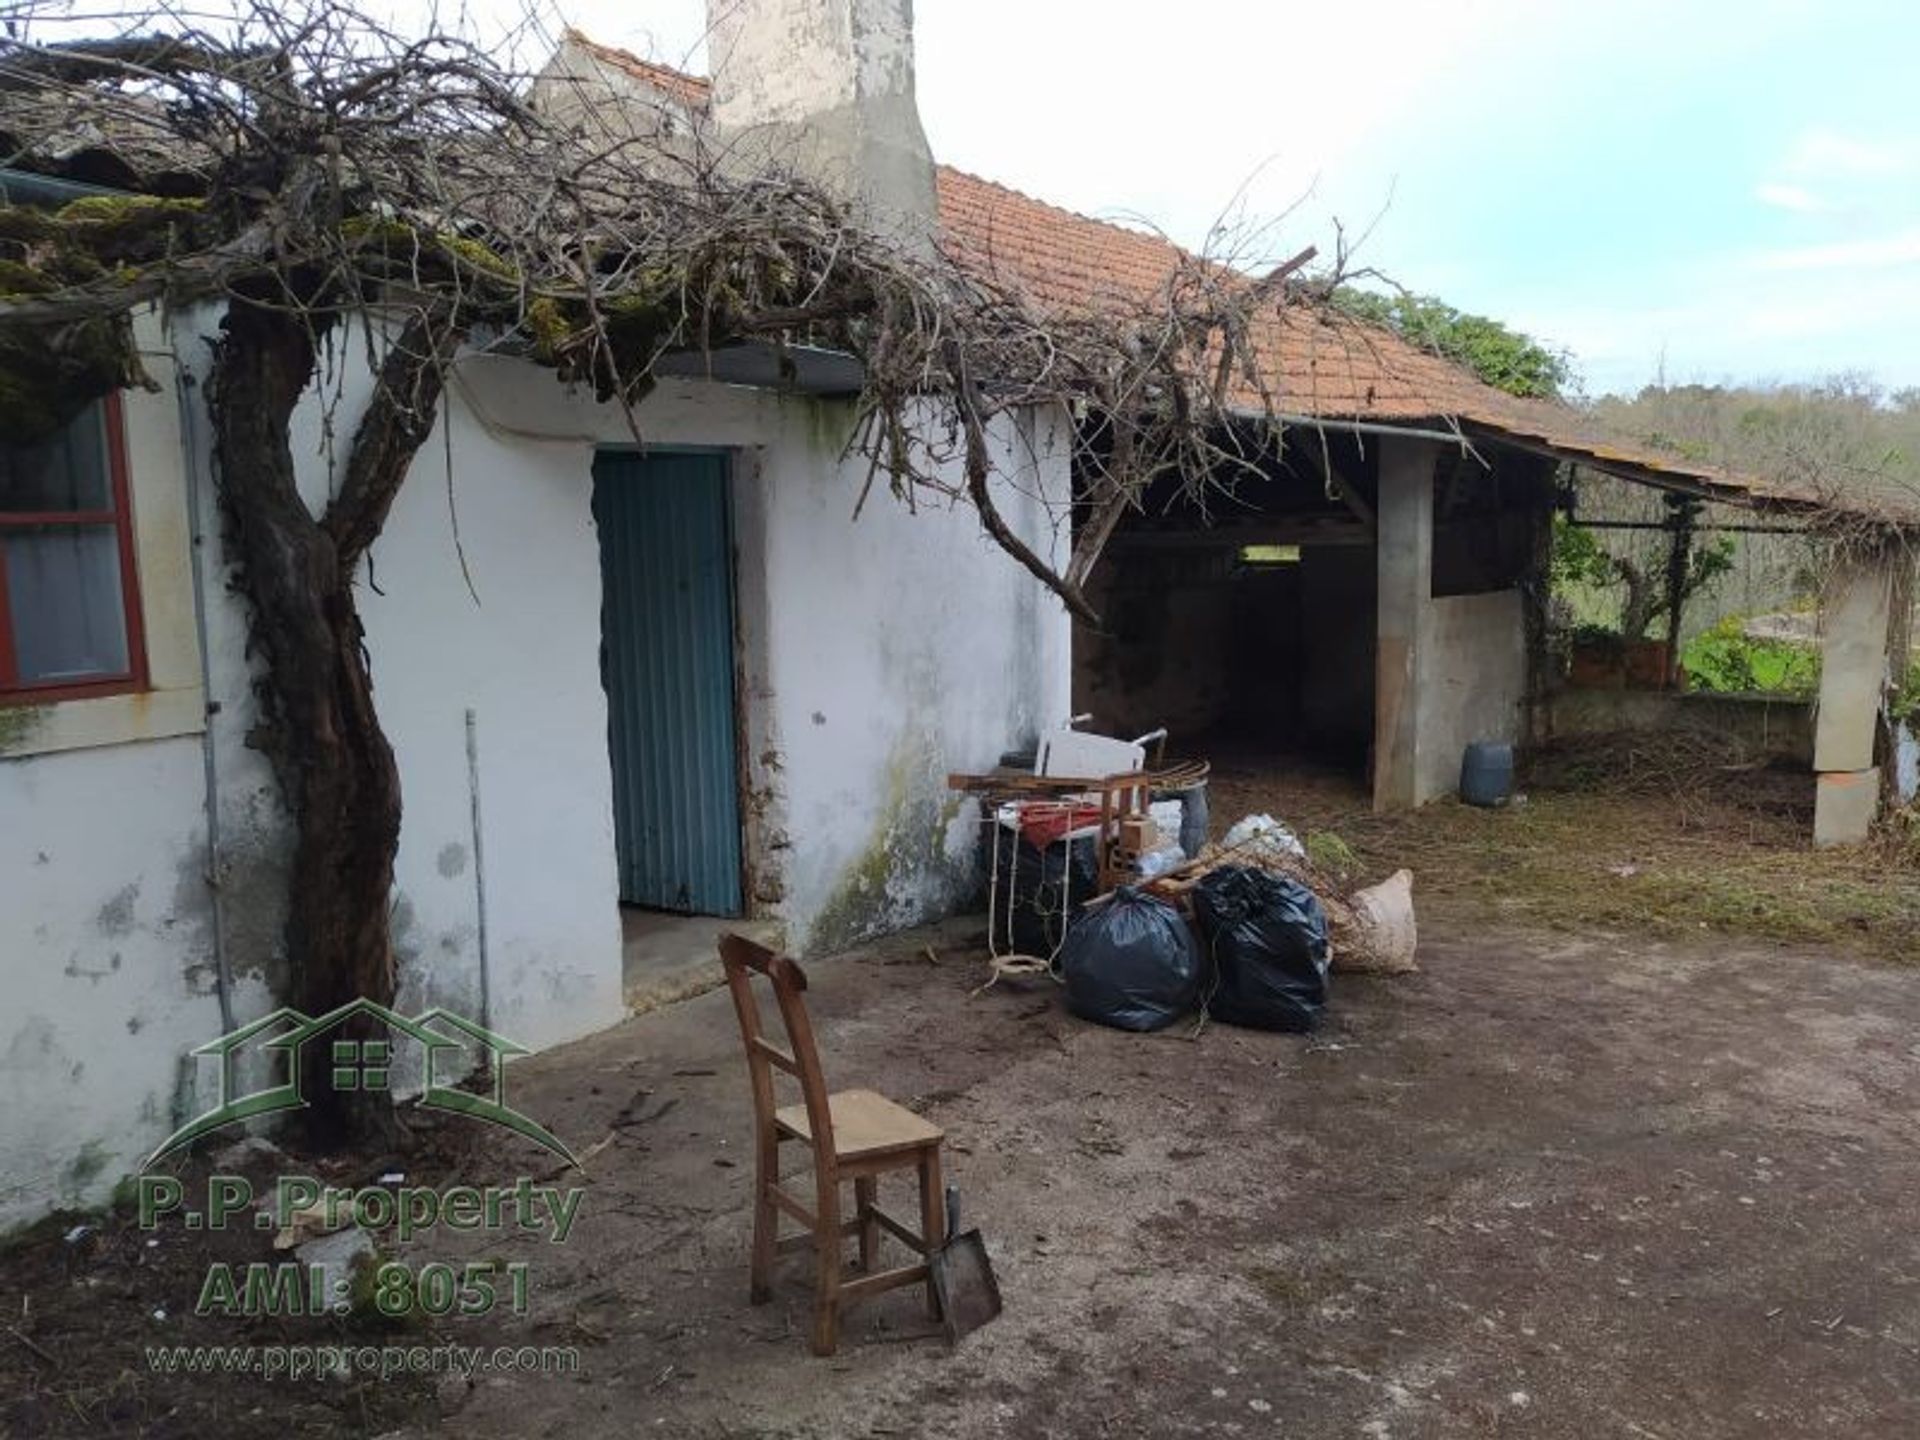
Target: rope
1015, 964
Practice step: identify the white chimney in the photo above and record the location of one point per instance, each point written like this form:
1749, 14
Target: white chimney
826, 88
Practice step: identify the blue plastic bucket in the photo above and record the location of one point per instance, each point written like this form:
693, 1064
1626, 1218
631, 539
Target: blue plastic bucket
1486, 773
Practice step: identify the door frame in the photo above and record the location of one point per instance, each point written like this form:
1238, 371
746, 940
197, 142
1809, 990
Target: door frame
731, 470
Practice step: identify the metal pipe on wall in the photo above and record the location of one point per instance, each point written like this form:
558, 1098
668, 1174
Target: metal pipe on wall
479, 868
196, 457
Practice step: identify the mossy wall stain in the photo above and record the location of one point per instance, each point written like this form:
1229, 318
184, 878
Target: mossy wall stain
83, 1172
903, 872
19, 724
829, 424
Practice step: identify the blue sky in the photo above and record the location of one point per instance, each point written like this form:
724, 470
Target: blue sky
1723, 190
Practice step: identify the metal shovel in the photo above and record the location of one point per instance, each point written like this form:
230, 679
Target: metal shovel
963, 1280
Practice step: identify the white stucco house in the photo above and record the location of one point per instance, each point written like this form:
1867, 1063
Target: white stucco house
677, 676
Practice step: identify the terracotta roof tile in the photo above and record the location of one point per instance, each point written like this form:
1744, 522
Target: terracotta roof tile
692, 91
1318, 362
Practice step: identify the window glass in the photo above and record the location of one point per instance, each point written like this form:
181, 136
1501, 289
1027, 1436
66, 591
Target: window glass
60, 475
63, 587
68, 619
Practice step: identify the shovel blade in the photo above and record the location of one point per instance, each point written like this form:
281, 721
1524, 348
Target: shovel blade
963, 1282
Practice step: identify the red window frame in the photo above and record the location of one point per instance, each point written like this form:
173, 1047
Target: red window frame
12, 690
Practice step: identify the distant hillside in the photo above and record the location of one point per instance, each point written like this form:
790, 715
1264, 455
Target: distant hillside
1842, 435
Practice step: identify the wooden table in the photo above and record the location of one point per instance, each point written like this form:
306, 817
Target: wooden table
1120, 797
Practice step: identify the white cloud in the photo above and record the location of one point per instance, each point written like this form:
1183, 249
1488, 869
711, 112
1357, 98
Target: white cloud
1789, 197
1874, 254
1733, 321
1823, 151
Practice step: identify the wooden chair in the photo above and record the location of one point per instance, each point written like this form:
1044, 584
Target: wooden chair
855, 1135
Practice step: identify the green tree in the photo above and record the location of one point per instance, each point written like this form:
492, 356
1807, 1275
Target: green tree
1578, 558
1500, 355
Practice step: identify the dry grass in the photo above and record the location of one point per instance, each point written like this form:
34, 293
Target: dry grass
1721, 851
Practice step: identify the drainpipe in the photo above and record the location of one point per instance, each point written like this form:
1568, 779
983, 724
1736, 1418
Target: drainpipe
479, 869
1373, 427
195, 454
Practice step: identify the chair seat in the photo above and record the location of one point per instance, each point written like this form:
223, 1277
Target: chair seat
865, 1124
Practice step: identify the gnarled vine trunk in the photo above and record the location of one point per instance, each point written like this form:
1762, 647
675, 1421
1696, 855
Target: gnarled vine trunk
319, 725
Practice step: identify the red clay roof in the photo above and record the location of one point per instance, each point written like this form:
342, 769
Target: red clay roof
1319, 362
692, 91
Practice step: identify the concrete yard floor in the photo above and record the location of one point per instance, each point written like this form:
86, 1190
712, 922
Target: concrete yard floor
1546, 1187
664, 958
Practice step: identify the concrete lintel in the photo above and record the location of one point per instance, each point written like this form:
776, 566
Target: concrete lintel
1845, 805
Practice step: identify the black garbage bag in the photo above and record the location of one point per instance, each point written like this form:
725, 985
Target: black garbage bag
1132, 963
1266, 936
1043, 888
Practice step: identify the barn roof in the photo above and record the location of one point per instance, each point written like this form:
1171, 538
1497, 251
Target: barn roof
1321, 363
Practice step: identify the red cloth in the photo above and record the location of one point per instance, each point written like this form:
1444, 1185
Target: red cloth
1044, 822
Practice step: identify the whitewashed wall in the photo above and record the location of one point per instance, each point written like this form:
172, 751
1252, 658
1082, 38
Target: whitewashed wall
878, 656
107, 974
1473, 680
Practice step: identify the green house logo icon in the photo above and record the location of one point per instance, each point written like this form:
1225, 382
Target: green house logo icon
360, 1064
363, 1065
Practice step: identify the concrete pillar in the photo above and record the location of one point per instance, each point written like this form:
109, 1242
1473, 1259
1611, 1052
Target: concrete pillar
1404, 556
1856, 621
826, 88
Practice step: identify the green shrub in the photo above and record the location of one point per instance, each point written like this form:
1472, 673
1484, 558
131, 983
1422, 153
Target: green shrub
1906, 698
1726, 661
1328, 851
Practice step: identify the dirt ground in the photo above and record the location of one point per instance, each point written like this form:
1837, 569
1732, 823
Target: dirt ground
1563, 1182
1642, 835
1571, 1189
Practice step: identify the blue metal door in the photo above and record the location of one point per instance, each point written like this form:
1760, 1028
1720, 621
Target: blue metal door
667, 661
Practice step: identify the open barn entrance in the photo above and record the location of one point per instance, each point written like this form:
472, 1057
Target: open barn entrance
1258, 630
1377, 598
1255, 651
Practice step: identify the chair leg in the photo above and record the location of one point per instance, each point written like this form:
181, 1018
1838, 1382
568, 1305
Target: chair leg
933, 1216
827, 1241
866, 1192
766, 1223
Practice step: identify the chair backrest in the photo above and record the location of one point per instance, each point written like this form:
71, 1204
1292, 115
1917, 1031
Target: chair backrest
743, 959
